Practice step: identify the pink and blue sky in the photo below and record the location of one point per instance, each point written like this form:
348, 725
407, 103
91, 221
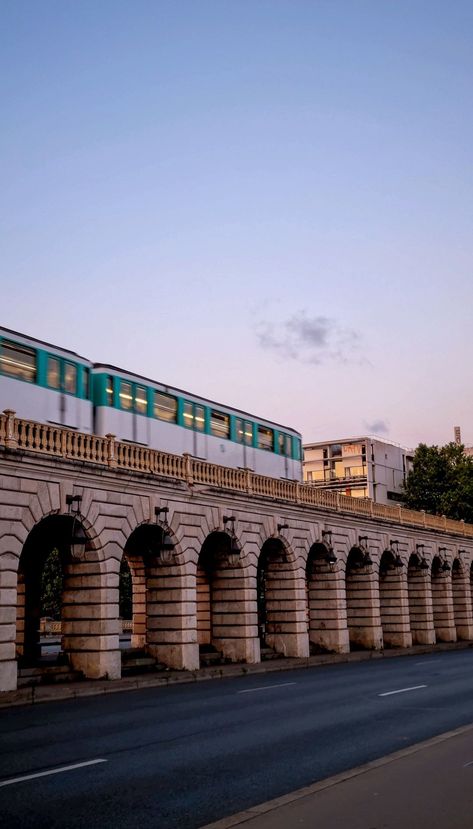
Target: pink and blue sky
266, 202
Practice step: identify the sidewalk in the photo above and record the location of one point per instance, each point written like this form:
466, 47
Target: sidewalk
425, 786
87, 688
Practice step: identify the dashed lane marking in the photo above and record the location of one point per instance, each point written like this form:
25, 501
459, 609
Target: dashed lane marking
402, 690
266, 687
51, 771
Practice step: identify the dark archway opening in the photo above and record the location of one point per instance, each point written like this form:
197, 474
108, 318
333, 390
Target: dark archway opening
46, 569
270, 596
322, 611
140, 573
390, 600
216, 621
420, 604
357, 599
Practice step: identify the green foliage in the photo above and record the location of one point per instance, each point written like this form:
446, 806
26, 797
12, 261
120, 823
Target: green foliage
51, 586
441, 482
126, 600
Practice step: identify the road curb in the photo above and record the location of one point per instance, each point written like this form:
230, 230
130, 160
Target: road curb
55, 693
278, 802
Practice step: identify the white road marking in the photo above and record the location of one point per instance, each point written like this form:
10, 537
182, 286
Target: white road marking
402, 690
468, 764
51, 771
425, 662
265, 687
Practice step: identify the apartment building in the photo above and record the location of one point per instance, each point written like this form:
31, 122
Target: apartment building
363, 467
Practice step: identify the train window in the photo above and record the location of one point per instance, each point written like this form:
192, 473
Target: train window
126, 397
85, 382
188, 414
199, 418
109, 390
219, 424
165, 407
297, 448
54, 373
141, 402
284, 442
18, 361
265, 438
70, 378
244, 431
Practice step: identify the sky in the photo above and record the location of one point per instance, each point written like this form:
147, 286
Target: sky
265, 202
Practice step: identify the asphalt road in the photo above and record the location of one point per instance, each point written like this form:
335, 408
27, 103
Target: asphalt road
187, 755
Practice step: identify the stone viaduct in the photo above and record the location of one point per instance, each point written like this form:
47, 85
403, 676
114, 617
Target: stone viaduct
219, 558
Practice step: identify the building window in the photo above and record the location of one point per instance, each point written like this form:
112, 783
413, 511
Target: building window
219, 424
109, 390
265, 438
309, 476
141, 402
336, 450
18, 361
126, 397
54, 373
70, 378
165, 407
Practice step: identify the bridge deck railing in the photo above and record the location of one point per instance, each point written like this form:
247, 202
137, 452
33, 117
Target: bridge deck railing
16, 433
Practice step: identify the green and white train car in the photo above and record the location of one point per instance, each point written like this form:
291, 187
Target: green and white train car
54, 385
137, 409
42, 382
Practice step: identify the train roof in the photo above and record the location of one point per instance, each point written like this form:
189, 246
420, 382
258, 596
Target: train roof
189, 394
43, 342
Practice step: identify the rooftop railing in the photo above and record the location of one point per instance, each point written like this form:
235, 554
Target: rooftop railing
59, 442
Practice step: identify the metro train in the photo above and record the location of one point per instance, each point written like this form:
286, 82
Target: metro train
42, 382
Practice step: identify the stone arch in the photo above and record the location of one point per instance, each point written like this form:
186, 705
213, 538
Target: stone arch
393, 601
442, 601
89, 640
461, 597
421, 619
159, 611
10, 551
362, 600
326, 609
281, 601
471, 582
219, 606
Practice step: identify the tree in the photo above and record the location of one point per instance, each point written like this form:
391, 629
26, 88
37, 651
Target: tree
51, 586
441, 482
126, 591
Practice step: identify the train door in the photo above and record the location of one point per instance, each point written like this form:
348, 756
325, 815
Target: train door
200, 448
140, 419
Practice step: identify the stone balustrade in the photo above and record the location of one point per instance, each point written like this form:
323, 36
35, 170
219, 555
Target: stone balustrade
16, 433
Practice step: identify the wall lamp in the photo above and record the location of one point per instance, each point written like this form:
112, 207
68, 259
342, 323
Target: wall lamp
235, 549
167, 544
330, 556
445, 564
394, 546
282, 527
363, 545
78, 536
423, 563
